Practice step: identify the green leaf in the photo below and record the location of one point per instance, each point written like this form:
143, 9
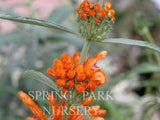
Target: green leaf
33, 21
142, 68
131, 42
83, 111
31, 74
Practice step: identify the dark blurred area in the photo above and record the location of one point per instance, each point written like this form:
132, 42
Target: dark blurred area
133, 72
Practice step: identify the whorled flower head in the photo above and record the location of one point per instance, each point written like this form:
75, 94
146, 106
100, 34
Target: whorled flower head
70, 74
94, 20
57, 109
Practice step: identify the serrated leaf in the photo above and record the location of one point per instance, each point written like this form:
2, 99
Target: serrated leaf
31, 74
83, 111
142, 68
132, 42
34, 21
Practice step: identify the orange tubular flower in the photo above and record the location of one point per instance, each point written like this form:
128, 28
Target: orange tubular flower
74, 114
80, 77
86, 8
30, 118
38, 113
107, 5
78, 9
87, 75
58, 64
51, 72
101, 14
85, 84
91, 85
83, 15
61, 73
111, 13
99, 78
113, 19
71, 74
87, 101
70, 83
64, 90
76, 57
91, 12
97, 7
97, 20
79, 88
60, 82
65, 58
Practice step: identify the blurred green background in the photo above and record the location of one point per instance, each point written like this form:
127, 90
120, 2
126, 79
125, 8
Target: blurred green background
133, 72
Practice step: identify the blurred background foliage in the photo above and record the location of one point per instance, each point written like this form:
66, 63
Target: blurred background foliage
133, 72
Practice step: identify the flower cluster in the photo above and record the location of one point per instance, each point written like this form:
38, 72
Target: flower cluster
70, 74
94, 20
57, 110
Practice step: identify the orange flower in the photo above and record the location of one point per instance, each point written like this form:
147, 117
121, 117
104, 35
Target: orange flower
97, 7
60, 82
71, 74
66, 58
32, 106
89, 22
76, 57
79, 68
91, 12
101, 14
79, 88
81, 5
91, 61
111, 13
113, 19
74, 114
78, 9
58, 64
97, 20
69, 66
86, 3
30, 118
83, 15
64, 90
89, 73
104, 11
99, 78
51, 72
70, 83
79, 14
61, 73
107, 5
84, 84
87, 101
91, 85
80, 77
86, 8
75, 72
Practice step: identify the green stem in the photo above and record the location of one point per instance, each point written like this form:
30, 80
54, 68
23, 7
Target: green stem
84, 51
149, 38
101, 3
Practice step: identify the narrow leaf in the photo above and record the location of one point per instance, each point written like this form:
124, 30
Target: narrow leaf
83, 111
31, 74
33, 21
131, 42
